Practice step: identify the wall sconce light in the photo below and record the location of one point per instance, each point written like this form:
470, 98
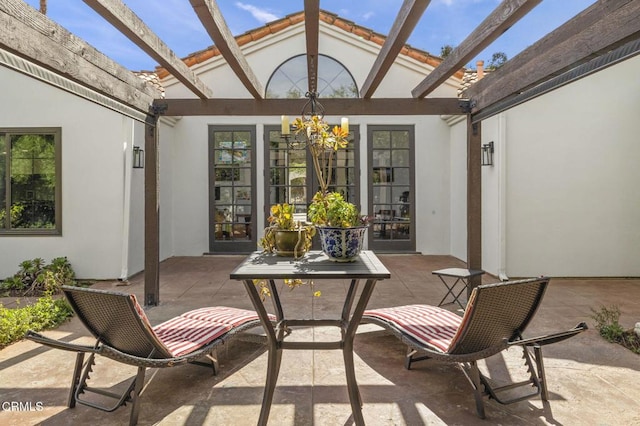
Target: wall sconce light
487, 154
138, 158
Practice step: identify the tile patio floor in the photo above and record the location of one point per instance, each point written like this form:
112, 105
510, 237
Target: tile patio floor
591, 382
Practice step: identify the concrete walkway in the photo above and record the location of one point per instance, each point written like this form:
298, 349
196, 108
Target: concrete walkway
591, 382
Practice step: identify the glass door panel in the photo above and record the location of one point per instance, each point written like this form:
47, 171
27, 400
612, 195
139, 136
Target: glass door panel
232, 179
392, 182
292, 178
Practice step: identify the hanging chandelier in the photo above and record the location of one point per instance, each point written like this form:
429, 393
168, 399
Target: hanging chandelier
311, 130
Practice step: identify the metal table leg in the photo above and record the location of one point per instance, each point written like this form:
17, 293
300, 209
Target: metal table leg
347, 351
348, 324
450, 291
273, 347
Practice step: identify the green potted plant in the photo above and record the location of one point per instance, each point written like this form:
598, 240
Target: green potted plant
340, 226
339, 223
285, 236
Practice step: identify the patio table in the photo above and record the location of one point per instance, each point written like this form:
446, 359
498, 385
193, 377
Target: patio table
461, 275
315, 266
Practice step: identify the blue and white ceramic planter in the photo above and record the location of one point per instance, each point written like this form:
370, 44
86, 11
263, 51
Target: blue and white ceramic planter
342, 244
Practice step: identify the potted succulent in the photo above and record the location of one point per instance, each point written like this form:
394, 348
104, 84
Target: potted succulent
285, 236
339, 224
338, 221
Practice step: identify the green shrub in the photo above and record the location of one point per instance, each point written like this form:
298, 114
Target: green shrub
35, 277
607, 322
608, 325
45, 313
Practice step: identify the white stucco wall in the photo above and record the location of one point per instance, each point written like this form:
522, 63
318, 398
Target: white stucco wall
458, 187
563, 197
96, 144
134, 244
572, 193
190, 178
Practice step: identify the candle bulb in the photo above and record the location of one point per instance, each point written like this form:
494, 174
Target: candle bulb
285, 125
345, 124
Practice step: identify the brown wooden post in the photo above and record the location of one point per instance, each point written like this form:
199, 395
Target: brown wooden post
151, 212
474, 200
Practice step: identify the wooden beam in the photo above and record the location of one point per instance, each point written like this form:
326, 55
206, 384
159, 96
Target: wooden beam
500, 20
621, 54
474, 200
337, 106
214, 23
312, 30
600, 28
151, 212
31, 35
407, 19
128, 23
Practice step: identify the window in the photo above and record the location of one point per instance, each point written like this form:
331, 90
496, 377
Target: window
30, 181
290, 80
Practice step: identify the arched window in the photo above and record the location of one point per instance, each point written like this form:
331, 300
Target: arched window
289, 80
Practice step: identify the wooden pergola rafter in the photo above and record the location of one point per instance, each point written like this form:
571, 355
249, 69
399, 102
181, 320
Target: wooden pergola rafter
410, 13
594, 33
500, 20
128, 23
209, 14
599, 29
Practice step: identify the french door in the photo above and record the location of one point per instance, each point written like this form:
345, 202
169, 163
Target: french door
232, 207
290, 177
391, 150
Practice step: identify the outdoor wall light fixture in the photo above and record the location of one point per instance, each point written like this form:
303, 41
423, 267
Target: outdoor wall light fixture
487, 154
316, 132
138, 158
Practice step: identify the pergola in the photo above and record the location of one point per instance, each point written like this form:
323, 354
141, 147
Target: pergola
603, 34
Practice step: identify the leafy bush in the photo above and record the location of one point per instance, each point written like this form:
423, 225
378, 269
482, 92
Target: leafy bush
36, 278
608, 325
45, 313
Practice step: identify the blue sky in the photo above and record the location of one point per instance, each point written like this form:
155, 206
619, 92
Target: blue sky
444, 22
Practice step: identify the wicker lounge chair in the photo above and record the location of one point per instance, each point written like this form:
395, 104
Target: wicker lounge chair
124, 334
495, 317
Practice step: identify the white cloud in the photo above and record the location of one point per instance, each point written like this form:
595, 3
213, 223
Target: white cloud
261, 15
368, 16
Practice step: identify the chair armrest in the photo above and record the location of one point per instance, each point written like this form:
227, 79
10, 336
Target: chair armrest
550, 338
39, 338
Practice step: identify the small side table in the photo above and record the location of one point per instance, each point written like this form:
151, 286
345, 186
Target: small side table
462, 276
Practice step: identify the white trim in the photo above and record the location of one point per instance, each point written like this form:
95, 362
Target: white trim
127, 137
452, 120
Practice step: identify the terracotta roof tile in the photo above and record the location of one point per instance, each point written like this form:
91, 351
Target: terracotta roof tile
152, 79
292, 19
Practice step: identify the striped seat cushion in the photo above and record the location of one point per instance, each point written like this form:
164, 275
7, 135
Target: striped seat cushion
194, 329
429, 325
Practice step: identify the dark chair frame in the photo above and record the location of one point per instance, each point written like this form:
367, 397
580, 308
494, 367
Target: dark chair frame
495, 317
123, 334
